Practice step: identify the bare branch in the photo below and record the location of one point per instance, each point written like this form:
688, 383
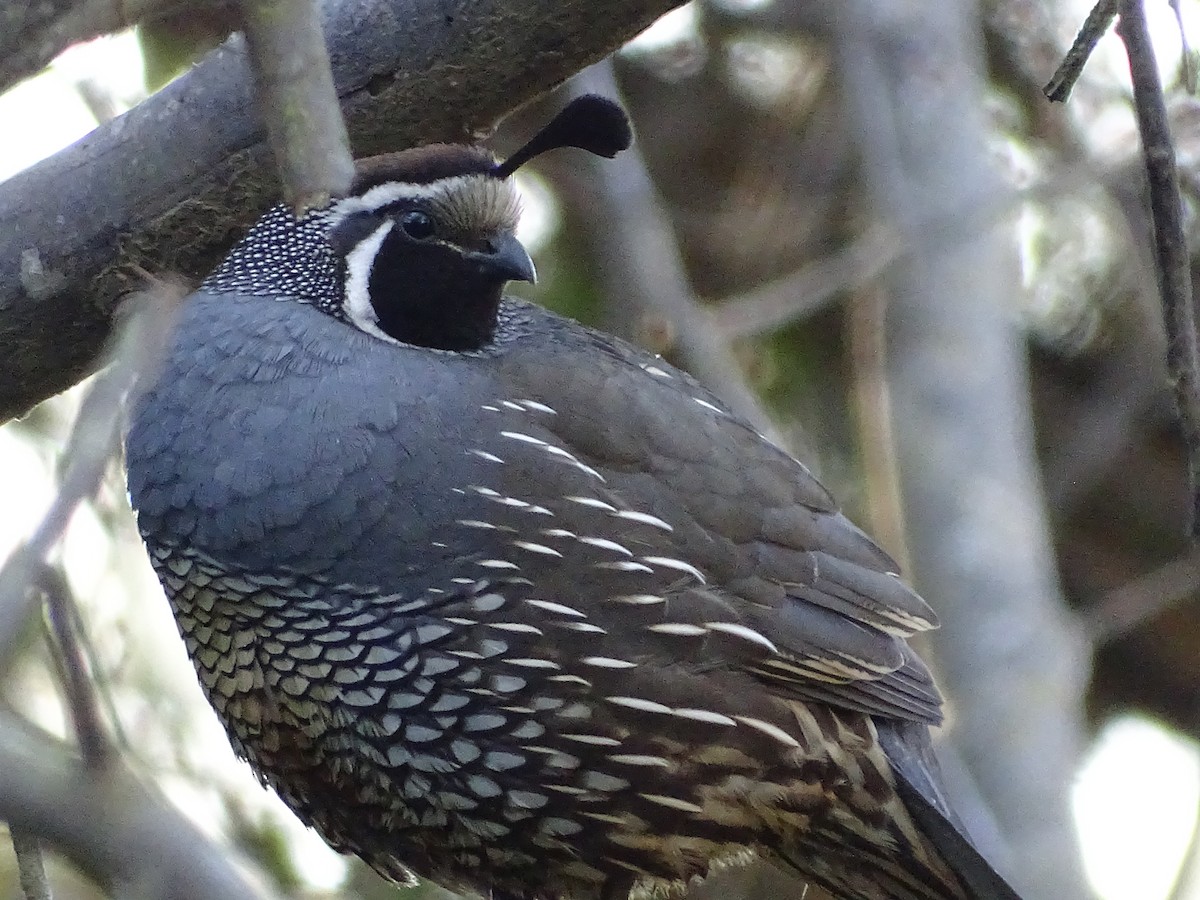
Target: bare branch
1171, 250
297, 100
32, 34
977, 527
808, 290
171, 184
146, 847
1058, 88
62, 614
93, 441
1122, 610
31, 867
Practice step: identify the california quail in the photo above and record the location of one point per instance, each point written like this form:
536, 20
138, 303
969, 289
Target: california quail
498, 600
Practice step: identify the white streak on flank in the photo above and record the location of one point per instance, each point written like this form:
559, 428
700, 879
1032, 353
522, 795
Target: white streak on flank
483, 454
490, 408
520, 627
437, 544
588, 470
477, 523
743, 632
605, 544
708, 405
558, 533
624, 565
461, 580
593, 502
611, 820
359, 261
645, 518
677, 629
514, 406
561, 609
672, 803
770, 730
540, 407
523, 438
639, 704
511, 501
461, 620
539, 510
637, 759
656, 372
607, 662
536, 548
596, 740
525, 662
570, 679
583, 626
560, 451
485, 491
497, 564
638, 599
703, 715
668, 562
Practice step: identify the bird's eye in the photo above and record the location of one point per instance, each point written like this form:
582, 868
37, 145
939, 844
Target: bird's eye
417, 224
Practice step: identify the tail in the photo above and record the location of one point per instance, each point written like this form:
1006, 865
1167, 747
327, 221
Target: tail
853, 863
918, 783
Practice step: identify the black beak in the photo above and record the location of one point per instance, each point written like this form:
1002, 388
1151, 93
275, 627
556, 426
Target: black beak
507, 257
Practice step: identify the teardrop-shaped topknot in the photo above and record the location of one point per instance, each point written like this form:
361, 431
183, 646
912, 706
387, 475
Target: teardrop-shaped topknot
591, 122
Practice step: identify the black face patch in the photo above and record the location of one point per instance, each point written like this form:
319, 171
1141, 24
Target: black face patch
353, 230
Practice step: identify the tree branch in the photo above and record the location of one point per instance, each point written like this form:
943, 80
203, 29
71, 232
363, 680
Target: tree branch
297, 100
170, 184
146, 847
1170, 245
1011, 663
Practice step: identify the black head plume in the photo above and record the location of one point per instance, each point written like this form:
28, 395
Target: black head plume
590, 122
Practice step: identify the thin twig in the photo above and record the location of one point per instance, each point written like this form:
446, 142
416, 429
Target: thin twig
30, 865
298, 101
1124, 609
809, 289
1171, 250
1095, 25
61, 609
873, 411
91, 445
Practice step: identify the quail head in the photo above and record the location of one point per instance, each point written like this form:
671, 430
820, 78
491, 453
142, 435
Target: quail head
504, 602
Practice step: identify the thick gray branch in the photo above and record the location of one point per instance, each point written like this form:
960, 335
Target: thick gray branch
169, 185
112, 826
32, 34
978, 534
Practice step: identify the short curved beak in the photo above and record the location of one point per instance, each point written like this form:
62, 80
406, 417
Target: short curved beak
507, 257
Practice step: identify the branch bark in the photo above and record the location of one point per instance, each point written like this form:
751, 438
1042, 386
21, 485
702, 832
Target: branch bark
1012, 665
146, 847
170, 184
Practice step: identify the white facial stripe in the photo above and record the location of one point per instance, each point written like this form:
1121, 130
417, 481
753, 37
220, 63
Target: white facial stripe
359, 261
390, 192
463, 204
